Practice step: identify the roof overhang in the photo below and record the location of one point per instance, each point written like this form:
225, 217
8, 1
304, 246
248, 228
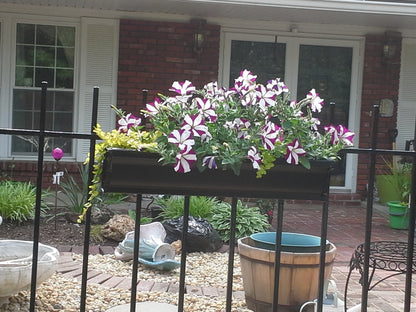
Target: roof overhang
385, 14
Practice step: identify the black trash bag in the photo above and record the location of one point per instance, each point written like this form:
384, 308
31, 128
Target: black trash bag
201, 235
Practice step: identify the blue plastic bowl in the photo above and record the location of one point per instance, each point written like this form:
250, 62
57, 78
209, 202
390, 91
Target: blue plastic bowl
291, 242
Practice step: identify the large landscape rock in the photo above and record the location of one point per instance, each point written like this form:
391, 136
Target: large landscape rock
117, 227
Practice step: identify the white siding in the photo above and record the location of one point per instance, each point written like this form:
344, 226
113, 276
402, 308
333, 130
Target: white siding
406, 114
99, 55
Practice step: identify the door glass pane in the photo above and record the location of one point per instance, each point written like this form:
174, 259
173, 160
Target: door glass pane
328, 70
264, 59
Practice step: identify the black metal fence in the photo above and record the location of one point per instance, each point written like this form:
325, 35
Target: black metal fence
42, 133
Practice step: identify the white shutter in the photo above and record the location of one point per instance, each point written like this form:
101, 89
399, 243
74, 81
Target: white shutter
406, 113
98, 67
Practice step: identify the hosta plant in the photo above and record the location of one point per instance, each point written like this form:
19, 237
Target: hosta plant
249, 220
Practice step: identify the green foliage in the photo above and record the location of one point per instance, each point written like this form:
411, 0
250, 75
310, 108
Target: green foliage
249, 220
96, 233
199, 206
400, 179
18, 200
75, 194
143, 220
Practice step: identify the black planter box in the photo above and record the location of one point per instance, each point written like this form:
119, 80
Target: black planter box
137, 172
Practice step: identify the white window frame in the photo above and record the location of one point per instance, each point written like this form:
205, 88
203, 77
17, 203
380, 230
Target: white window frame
291, 69
8, 53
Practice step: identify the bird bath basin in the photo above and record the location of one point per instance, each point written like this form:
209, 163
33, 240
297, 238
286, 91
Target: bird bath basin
16, 266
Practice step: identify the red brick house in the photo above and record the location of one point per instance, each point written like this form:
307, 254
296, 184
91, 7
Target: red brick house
355, 53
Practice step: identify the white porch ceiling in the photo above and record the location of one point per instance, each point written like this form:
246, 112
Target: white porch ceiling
385, 14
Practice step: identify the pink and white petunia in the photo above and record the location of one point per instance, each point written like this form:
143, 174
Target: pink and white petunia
241, 125
254, 156
270, 133
185, 159
294, 151
315, 100
206, 109
153, 108
195, 124
182, 88
127, 122
345, 136
265, 97
214, 92
181, 138
278, 86
333, 132
209, 161
245, 82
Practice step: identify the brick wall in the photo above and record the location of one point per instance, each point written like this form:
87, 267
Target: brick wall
26, 171
380, 81
154, 54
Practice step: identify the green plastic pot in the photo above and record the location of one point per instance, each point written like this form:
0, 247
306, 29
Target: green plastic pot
399, 215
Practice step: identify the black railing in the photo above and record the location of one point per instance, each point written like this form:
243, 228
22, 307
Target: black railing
372, 152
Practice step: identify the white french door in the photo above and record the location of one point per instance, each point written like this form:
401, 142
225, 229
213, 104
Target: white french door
328, 65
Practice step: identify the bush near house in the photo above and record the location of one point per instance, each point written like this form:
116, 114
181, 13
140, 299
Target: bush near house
18, 200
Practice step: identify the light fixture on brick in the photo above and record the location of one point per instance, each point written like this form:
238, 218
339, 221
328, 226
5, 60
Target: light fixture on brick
199, 34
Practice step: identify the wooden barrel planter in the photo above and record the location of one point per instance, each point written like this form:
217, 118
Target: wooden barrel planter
299, 275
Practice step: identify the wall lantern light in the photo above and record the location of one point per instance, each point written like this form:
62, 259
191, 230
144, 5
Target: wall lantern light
199, 35
389, 46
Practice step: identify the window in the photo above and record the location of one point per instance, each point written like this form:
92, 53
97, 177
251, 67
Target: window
43, 53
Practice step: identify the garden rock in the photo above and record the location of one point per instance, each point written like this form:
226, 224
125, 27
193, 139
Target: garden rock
201, 235
101, 216
117, 227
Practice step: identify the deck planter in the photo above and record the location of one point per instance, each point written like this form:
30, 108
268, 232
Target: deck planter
137, 172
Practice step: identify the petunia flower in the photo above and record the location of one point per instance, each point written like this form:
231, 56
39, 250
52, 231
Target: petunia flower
315, 100
209, 161
127, 122
245, 81
294, 150
185, 159
278, 86
269, 135
181, 138
265, 97
195, 124
345, 135
154, 107
241, 125
254, 156
182, 88
333, 132
206, 109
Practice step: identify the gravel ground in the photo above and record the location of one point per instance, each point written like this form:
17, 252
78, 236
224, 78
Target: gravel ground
60, 293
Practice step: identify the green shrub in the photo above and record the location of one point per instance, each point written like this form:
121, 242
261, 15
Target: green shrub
249, 220
18, 200
199, 206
